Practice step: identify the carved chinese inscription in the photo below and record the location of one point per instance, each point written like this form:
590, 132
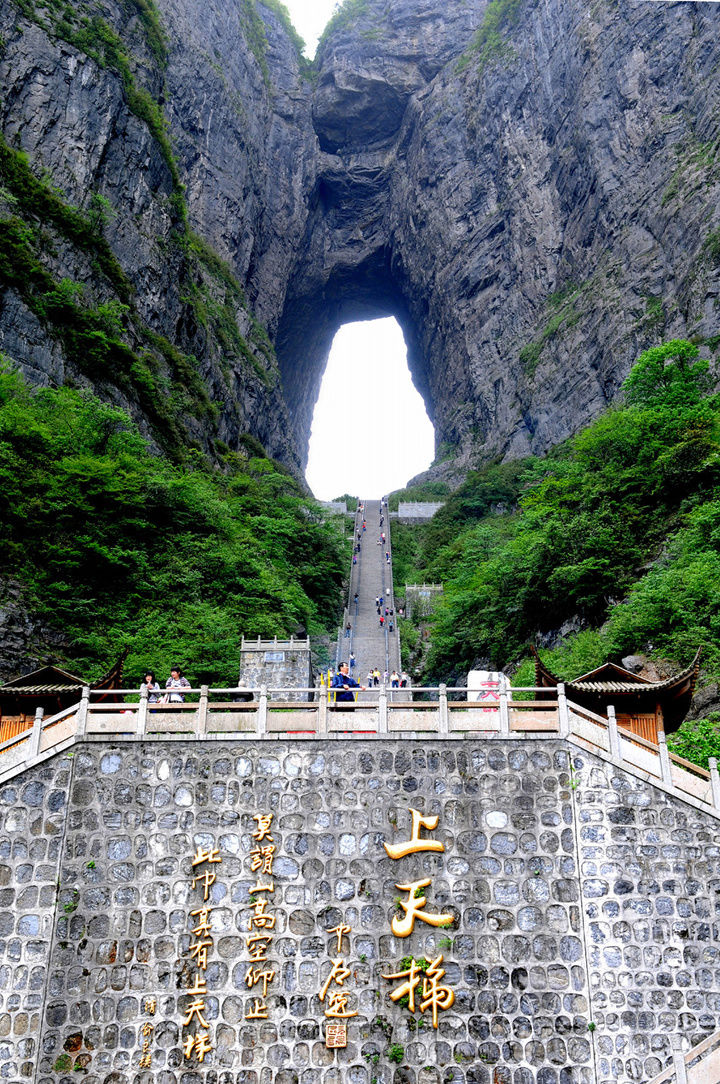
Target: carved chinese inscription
262, 921
421, 985
147, 1031
336, 1006
197, 1043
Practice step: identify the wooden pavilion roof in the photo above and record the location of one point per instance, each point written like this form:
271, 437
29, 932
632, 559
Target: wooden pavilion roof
53, 681
627, 692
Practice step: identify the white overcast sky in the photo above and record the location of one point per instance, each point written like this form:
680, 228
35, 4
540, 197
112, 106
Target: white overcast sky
310, 17
370, 431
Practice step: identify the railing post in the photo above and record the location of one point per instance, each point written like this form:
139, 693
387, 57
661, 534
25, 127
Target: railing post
141, 721
504, 707
563, 713
443, 717
202, 712
714, 782
36, 734
382, 711
679, 1060
665, 765
82, 715
322, 726
262, 715
613, 734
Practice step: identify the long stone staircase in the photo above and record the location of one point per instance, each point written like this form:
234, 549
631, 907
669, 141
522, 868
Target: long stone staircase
371, 578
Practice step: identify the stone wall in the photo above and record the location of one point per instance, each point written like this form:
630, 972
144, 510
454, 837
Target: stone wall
650, 877
417, 511
420, 599
578, 895
279, 664
33, 819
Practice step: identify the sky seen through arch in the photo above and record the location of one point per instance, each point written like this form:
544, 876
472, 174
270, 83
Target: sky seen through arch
370, 431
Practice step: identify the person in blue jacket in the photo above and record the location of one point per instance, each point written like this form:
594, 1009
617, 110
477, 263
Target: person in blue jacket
344, 684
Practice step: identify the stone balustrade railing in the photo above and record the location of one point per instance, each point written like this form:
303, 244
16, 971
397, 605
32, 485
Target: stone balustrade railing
699, 1065
431, 713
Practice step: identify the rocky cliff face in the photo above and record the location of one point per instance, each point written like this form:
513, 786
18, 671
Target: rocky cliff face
529, 188
180, 147
536, 217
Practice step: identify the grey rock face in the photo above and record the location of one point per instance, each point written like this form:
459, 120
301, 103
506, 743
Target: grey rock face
533, 223
71, 116
22, 633
533, 219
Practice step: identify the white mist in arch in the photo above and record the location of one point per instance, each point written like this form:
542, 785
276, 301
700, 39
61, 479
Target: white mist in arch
370, 431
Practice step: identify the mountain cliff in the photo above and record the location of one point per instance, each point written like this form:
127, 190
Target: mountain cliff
190, 210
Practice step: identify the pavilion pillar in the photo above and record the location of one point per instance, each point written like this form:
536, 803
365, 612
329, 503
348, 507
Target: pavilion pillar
660, 719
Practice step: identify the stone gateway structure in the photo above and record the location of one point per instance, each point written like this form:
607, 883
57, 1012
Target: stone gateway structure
226, 911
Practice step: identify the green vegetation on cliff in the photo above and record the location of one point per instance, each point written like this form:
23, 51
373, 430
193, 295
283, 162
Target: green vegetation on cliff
104, 340
345, 13
280, 10
107, 340
617, 532
489, 43
116, 546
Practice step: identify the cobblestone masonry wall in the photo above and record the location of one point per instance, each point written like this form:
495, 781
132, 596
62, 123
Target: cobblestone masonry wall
556, 877
650, 876
278, 667
32, 821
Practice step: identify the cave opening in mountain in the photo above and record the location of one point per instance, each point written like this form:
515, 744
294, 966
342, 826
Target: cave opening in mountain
370, 430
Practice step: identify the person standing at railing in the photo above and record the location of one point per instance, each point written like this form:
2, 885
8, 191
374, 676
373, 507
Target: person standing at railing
177, 680
344, 684
153, 689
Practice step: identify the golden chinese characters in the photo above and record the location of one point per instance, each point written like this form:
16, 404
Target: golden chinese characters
207, 877
415, 844
336, 1006
147, 1030
262, 920
421, 985
413, 908
433, 996
198, 1043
